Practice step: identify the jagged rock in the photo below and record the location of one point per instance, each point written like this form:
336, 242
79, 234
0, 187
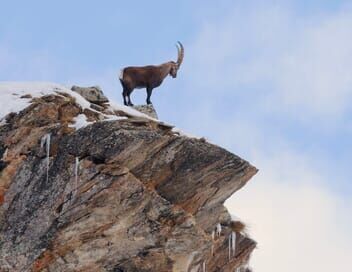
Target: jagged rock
147, 109
92, 94
97, 107
141, 198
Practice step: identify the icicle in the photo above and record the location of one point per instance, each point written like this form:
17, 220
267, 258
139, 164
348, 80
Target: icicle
233, 243
46, 141
42, 141
77, 166
4, 156
212, 245
218, 229
204, 268
229, 247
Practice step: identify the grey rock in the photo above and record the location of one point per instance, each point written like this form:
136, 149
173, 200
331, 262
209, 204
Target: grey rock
147, 109
143, 198
93, 94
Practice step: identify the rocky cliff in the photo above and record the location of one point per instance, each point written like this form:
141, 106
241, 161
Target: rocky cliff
98, 187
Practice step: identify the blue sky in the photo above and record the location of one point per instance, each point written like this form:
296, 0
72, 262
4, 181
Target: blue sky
269, 81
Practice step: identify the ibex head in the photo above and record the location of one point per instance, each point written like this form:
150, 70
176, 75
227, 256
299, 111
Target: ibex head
176, 65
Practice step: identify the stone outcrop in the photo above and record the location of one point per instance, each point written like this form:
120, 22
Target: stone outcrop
147, 109
92, 94
120, 195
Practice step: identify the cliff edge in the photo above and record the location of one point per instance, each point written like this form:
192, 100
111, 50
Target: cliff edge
100, 187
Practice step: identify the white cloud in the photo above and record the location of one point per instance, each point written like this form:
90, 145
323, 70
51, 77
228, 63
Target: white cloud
289, 64
266, 60
272, 62
299, 224
315, 74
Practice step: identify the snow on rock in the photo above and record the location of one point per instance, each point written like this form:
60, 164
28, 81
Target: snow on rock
16, 96
184, 134
80, 121
130, 111
57, 205
234, 217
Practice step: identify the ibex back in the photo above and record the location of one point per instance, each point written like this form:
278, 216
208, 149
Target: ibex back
148, 77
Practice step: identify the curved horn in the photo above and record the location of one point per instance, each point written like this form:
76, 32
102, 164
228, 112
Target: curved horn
181, 53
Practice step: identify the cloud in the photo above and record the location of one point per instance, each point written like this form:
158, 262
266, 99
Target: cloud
315, 75
258, 75
249, 66
299, 224
287, 63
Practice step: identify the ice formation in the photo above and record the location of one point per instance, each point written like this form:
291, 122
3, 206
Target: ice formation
229, 247
218, 229
77, 166
212, 245
45, 141
232, 244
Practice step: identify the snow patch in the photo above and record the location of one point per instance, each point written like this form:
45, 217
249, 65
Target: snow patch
234, 217
16, 96
130, 111
184, 134
114, 118
80, 121
11, 93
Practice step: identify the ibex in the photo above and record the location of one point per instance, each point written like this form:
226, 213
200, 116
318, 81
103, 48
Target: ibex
148, 77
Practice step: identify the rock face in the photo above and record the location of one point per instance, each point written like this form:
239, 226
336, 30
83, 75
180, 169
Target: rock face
124, 195
147, 109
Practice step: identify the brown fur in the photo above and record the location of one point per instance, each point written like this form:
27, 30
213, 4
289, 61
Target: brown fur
238, 226
148, 77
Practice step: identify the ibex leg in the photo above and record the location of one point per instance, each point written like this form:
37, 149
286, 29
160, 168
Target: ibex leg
124, 95
129, 99
149, 93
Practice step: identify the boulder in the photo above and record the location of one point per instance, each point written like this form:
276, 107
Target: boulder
93, 94
147, 109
